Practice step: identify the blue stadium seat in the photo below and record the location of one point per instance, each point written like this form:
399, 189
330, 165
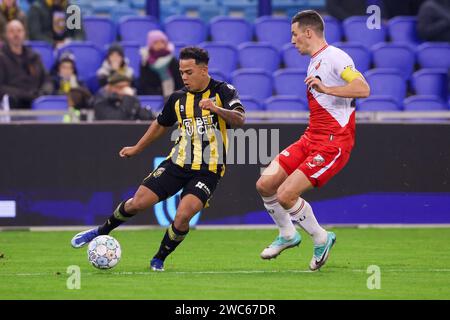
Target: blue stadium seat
231, 30
333, 29
386, 81
253, 82
251, 104
131, 50
156, 103
290, 82
378, 103
103, 7
293, 59
46, 52
203, 9
286, 103
434, 55
356, 30
259, 55
50, 103
403, 29
136, 28
120, 12
88, 57
393, 55
361, 56
222, 57
178, 46
431, 82
191, 31
424, 103
217, 75
275, 30
247, 9
99, 30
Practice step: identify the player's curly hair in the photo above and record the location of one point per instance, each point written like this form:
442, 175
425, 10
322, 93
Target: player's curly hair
309, 18
198, 54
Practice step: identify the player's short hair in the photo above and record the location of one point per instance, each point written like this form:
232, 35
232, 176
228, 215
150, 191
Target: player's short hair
198, 54
309, 18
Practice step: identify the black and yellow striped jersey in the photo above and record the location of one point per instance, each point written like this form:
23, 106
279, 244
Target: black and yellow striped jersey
202, 143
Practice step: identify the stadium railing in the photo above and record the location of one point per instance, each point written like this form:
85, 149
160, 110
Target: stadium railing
12, 116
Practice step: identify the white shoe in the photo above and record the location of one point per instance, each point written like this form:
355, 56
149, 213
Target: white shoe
280, 244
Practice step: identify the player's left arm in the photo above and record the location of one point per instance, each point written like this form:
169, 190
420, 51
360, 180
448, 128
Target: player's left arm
356, 87
235, 118
343, 67
233, 112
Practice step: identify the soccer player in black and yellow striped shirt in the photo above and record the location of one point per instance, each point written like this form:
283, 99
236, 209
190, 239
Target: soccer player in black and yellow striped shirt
204, 109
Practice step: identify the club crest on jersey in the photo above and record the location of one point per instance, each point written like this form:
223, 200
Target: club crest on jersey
158, 172
318, 160
318, 65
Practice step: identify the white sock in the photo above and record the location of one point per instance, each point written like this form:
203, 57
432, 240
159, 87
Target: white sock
303, 214
280, 217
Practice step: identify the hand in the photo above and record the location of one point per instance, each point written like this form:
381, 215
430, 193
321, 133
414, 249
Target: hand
316, 84
128, 152
207, 104
127, 91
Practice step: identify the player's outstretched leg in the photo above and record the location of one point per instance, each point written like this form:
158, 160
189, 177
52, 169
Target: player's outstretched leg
267, 186
177, 231
143, 199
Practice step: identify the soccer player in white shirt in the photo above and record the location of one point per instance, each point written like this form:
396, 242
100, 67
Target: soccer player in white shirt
323, 150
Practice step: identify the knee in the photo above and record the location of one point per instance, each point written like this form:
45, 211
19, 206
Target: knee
264, 187
286, 198
137, 204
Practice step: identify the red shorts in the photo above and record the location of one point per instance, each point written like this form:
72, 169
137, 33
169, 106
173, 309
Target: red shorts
319, 162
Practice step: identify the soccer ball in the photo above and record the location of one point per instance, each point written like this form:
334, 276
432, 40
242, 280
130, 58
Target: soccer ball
104, 252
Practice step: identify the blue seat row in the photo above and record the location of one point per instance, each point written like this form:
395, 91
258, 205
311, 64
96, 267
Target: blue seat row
227, 58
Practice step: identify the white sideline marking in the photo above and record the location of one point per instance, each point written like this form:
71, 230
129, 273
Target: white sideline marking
227, 227
124, 273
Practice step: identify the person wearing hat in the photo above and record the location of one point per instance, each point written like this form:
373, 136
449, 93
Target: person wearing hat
159, 71
115, 62
118, 101
66, 82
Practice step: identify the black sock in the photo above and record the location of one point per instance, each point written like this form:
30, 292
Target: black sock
172, 238
119, 216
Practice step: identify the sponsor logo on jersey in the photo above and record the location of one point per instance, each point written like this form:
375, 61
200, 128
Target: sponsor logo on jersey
285, 153
203, 124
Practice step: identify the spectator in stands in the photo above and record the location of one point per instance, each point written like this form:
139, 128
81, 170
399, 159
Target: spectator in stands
117, 101
47, 22
433, 21
115, 62
9, 10
66, 82
159, 68
343, 9
22, 74
392, 9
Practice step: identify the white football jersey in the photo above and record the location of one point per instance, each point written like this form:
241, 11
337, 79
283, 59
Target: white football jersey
329, 115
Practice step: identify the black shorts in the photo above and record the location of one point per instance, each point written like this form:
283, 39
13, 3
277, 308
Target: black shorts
169, 178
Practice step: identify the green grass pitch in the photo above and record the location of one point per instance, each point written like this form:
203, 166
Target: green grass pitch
225, 264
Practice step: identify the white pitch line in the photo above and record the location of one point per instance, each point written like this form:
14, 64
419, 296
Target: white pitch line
214, 272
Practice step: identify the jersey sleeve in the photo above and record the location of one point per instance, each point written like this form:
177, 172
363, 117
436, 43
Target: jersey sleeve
344, 68
168, 117
230, 97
